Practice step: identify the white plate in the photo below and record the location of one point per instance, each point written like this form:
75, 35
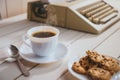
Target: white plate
27, 54
83, 77
79, 76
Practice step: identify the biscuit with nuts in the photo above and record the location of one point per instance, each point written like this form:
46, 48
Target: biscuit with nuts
86, 63
110, 64
94, 56
99, 74
97, 66
78, 68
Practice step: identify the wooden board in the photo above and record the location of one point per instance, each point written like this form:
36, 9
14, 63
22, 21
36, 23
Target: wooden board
12, 30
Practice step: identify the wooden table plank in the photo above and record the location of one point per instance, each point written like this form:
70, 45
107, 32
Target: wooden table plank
78, 43
6, 71
111, 46
13, 32
101, 44
66, 39
70, 36
77, 48
71, 39
89, 42
13, 35
20, 29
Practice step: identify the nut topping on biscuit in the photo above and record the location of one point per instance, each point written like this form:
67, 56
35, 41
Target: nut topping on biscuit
96, 66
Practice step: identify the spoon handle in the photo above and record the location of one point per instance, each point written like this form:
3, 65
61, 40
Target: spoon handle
22, 68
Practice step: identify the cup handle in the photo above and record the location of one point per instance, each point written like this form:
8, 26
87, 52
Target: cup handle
26, 40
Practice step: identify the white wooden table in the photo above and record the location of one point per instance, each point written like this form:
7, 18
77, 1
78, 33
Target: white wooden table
12, 30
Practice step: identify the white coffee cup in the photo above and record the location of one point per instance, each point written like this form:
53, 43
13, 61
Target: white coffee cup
42, 46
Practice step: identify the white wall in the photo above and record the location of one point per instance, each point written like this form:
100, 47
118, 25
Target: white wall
3, 9
9, 8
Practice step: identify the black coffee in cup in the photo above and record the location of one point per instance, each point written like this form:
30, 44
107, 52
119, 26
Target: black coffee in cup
43, 34
43, 40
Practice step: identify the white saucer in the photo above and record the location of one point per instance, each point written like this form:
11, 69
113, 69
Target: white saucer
27, 54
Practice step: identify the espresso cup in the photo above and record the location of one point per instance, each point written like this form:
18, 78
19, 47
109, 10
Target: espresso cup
43, 40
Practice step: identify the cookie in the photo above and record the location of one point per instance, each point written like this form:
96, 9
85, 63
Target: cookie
94, 56
86, 63
99, 74
96, 66
78, 68
110, 64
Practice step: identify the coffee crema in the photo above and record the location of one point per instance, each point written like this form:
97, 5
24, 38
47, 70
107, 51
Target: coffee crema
43, 34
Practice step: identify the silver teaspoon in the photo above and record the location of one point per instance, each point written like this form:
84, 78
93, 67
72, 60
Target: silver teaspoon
15, 54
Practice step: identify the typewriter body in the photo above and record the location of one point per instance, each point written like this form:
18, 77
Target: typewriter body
84, 15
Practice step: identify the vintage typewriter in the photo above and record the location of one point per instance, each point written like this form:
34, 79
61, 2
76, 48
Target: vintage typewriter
92, 16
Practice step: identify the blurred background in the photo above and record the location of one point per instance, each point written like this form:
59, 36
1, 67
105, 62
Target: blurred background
9, 8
